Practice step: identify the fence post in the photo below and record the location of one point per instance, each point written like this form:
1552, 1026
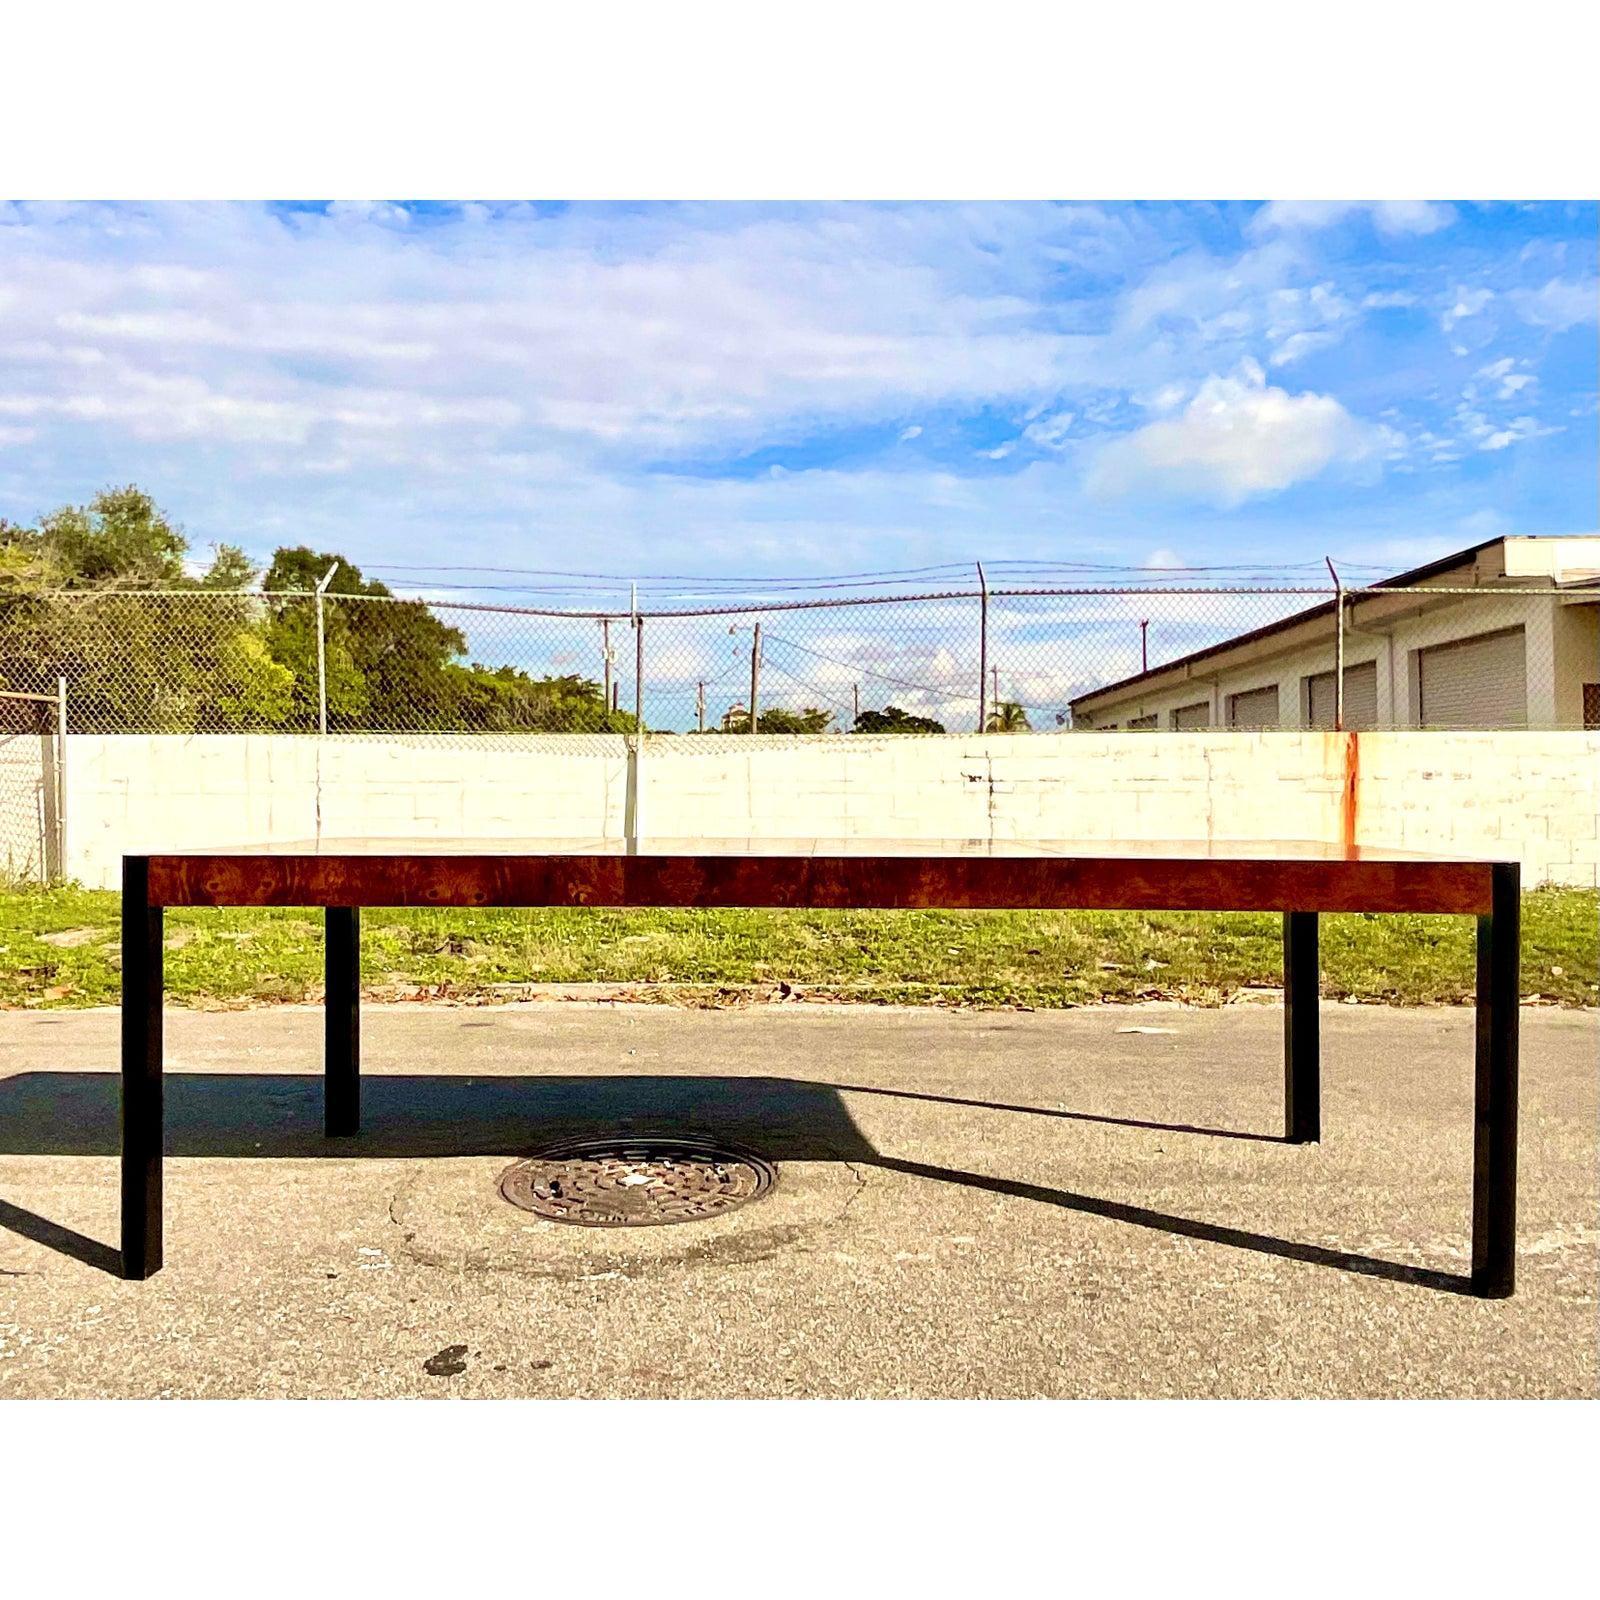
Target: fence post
755, 675
61, 778
322, 652
638, 666
635, 745
983, 644
1338, 648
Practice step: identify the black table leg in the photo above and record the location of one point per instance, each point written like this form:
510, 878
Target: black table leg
341, 1021
142, 1121
1302, 1039
1494, 1147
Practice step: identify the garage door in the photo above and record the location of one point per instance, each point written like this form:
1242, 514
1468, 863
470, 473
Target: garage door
1360, 697
1255, 708
1195, 716
1480, 682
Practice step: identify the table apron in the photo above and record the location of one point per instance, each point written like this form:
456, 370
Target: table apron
821, 883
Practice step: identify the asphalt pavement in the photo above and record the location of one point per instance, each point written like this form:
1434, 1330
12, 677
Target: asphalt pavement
1094, 1202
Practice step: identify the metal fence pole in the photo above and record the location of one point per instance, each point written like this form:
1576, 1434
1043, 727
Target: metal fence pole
322, 652
1338, 648
983, 643
638, 666
635, 745
61, 778
755, 676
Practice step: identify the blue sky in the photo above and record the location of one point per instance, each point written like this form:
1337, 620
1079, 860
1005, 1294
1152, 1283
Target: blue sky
807, 389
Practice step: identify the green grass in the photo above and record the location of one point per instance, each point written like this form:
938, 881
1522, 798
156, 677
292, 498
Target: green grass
1044, 959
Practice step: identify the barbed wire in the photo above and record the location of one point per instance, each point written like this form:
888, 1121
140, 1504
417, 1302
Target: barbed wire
627, 614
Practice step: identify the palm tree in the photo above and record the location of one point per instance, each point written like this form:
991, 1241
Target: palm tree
1008, 717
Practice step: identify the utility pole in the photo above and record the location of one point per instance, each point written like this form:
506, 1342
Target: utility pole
700, 705
755, 677
322, 652
1144, 645
983, 644
855, 695
605, 650
994, 704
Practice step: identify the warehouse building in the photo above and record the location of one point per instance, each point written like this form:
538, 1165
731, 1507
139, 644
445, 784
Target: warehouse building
1526, 655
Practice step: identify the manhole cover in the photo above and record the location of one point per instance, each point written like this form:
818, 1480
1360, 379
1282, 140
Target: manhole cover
636, 1182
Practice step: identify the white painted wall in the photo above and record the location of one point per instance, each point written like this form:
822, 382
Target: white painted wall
1531, 795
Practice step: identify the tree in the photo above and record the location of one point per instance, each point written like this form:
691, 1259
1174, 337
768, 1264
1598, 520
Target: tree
120, 539
506, 700
1008, 717
230, 569
387, 662
777, 720
75, 601
208, 653
893, 720
256, 692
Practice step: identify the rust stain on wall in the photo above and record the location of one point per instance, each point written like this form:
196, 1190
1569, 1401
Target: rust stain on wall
1350, 802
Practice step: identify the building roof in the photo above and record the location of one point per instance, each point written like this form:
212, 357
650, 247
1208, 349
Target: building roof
1583, 578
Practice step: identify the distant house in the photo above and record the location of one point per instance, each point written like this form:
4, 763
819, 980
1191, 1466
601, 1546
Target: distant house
1520, 660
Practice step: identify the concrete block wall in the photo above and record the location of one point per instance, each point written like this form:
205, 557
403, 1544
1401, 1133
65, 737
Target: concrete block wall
135, 793
1535, 796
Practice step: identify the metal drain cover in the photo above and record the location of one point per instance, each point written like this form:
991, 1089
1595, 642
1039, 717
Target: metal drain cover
636, 1181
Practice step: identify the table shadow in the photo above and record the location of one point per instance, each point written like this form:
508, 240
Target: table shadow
245, 1115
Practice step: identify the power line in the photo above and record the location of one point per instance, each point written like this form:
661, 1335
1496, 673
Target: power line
826, 696
867, 672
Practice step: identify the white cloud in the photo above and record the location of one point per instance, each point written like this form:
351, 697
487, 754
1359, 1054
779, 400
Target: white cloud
1465, 304
1298, 345
650, 334
1561, 304
1518, 429
1389, 216
1236, 439
1050, 432
1387, 300
1230, 307
913, 432
1510, 383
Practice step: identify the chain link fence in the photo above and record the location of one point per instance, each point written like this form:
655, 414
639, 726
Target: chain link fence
1013, 660
32, 784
